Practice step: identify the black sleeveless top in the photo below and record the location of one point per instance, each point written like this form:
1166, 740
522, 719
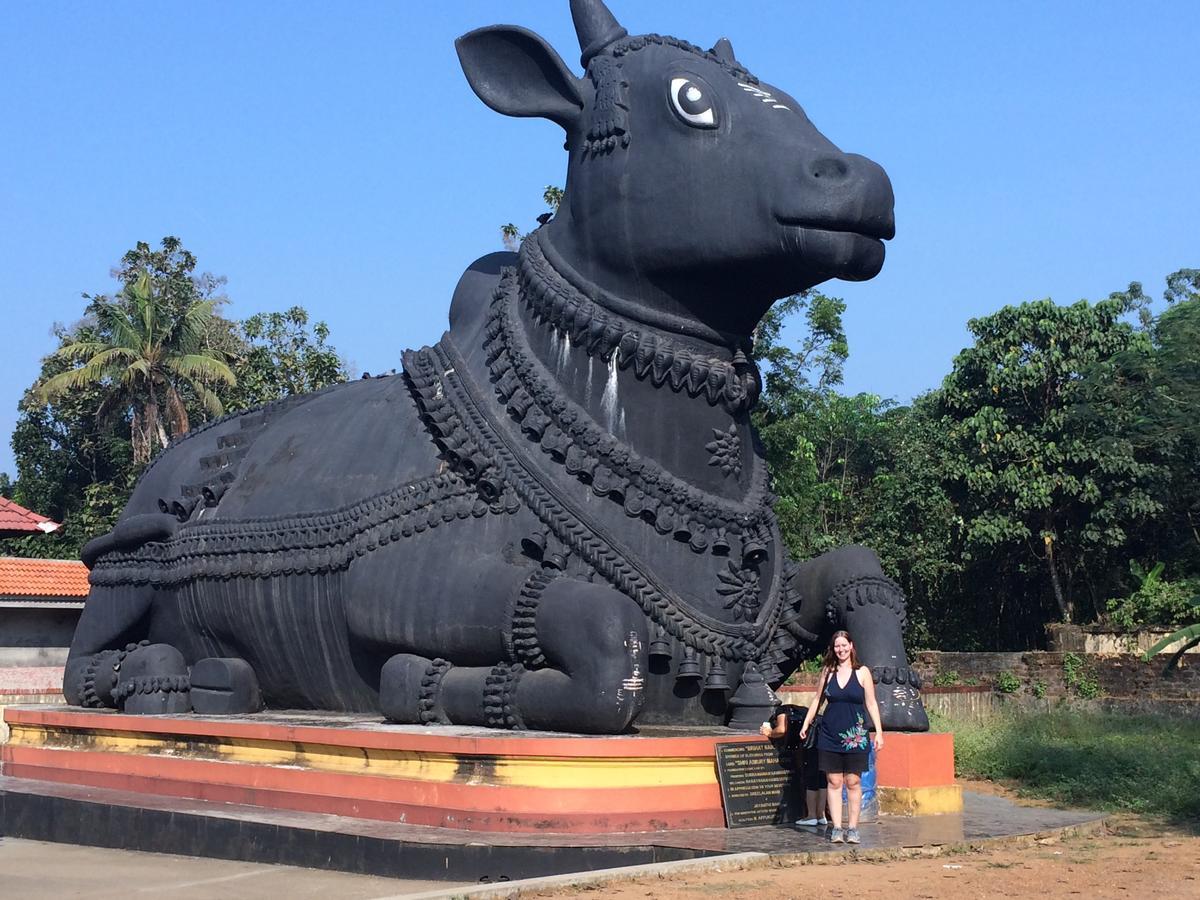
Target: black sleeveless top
843, 727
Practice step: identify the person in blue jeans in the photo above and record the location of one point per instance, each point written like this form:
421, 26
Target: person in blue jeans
843, 743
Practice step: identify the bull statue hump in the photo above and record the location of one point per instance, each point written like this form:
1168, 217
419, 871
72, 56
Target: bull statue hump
558, 516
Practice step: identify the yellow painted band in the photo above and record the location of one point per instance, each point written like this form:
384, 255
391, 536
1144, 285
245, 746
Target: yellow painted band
524, 771
922, 801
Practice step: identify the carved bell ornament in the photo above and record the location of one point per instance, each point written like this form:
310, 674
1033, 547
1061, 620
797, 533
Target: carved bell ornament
689, 666
754, 551
717, 678
660, 645
534, 545
771, 673
753, 702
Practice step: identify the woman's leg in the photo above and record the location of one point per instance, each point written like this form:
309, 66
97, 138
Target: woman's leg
834, 793
814, 807
854, 797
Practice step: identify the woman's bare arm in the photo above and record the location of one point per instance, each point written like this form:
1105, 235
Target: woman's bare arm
813, 704
776, 728
868, 685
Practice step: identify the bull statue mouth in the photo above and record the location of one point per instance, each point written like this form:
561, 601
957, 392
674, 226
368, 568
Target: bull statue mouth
846, 253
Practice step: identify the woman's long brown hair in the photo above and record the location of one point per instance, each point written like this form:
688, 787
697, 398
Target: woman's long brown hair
830, 663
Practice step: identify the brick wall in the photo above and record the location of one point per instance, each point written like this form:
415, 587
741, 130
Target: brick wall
1119, 675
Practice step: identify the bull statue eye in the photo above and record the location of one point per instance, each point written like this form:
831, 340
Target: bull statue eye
692, 103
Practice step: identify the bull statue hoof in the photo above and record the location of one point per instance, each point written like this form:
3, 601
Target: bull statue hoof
153, 680
558, 516
224, 687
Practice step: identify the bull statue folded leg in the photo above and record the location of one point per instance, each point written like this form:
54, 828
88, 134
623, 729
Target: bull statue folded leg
557, 517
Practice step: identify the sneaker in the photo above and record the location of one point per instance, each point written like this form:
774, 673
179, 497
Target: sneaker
835, 836
852, 836
822, 821
809, 823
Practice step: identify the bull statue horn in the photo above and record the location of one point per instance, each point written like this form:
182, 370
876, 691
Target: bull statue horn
723, 50
596, 27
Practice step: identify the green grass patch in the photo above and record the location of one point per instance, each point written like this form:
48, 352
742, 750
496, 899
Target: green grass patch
1141, 764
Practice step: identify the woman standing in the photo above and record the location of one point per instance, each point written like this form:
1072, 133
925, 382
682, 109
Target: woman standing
843, 747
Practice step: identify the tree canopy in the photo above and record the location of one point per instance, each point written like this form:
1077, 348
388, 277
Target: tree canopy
140, 368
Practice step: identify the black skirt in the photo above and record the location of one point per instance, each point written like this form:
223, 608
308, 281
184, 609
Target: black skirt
833, 762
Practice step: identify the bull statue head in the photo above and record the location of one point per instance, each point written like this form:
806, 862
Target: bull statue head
695, 193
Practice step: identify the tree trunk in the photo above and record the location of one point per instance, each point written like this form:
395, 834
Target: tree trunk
1065, 607
154, 425
137, 437
177, 412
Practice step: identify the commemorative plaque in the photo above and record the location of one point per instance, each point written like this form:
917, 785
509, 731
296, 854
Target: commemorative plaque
761, 784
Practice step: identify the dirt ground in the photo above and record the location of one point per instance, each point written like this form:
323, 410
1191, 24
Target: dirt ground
1133, 857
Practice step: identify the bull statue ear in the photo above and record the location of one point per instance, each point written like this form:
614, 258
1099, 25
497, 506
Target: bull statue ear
515, 72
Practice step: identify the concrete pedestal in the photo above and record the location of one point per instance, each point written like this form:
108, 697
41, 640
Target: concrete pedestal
471, 779
914, 775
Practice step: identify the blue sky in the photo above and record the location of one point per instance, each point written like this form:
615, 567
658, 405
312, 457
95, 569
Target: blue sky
332, 155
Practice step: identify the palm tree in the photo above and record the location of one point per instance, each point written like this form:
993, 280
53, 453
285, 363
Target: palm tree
144, 350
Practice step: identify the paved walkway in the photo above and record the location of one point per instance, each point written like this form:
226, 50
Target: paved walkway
34, 870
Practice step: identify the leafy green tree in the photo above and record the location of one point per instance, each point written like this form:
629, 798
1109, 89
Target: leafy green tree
1154, 398
145, 346
70, 466
1157, 602
804, 426
60, 447
74, 447
907, 516
512, 236
280, 354
1033, 482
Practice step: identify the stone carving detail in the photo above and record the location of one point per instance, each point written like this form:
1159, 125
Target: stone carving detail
726, 450
427, 701
500, 696
491, 537
594, 324
524, 647
740, 587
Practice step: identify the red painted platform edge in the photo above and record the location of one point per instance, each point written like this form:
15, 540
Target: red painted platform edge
411, 810
456, 795
910, 760
604, 746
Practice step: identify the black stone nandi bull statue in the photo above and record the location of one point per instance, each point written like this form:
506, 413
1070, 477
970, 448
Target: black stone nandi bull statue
557, 517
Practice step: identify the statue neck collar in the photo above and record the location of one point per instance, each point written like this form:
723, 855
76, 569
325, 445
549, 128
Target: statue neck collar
715, 341
713, 364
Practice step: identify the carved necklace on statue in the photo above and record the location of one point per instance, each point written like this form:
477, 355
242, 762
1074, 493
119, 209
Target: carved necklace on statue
591, 453
468, 420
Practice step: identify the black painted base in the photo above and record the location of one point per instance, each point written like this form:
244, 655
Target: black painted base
67, 814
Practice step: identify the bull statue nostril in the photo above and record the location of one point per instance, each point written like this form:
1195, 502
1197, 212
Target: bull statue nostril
830, 167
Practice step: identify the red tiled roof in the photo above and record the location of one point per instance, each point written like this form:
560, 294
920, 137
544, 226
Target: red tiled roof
42, 578
16, 519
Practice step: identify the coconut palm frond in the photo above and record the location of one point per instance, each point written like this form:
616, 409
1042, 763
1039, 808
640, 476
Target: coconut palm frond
137, 367
200, 366
55, 387
124, 330
209, 400
79, 350
107, 358
195, 323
